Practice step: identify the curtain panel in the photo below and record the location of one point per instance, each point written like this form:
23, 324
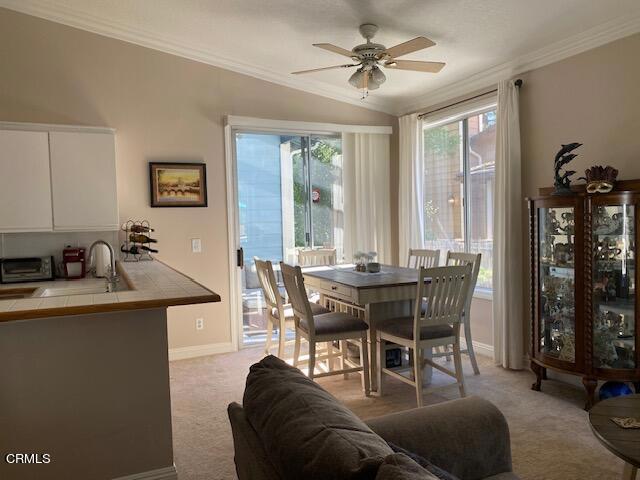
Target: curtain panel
367, 197
508, 324
411, 188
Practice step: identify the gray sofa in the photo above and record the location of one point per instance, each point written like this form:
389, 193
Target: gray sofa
291, 428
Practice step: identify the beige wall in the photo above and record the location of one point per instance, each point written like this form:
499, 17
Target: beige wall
164, 108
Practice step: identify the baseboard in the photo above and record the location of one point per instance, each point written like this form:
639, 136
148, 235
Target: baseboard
200, 350
167, 473
483, 349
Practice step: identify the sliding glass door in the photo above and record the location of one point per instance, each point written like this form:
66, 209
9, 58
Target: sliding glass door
289, 192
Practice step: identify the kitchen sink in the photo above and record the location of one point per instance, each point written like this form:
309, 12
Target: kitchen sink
93, 288
60, 292
16, 293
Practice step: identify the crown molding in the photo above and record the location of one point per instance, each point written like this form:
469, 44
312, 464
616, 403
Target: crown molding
57, 13
594, 37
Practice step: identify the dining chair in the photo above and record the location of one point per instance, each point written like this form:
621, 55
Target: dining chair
324, 328
316, 257
445, 291
279, 315
423, 258
473, 259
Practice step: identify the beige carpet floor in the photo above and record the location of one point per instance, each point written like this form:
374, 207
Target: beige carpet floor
550, 434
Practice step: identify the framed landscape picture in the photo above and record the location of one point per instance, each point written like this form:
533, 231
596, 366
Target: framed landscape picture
178, 184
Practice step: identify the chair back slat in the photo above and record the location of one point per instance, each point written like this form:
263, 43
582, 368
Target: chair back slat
297, 293
461, 258
316, 257
422, 258
267, 280
445, 291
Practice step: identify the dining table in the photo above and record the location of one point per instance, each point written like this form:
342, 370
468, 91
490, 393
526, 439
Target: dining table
389, 293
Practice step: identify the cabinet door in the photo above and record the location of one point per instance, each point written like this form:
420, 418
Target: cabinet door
613, 290
25, 193
83, 174
558, 335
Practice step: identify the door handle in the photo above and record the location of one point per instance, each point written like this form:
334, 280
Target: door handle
240, 257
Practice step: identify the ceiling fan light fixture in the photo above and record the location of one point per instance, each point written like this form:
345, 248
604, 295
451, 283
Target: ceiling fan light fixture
356, 79
377, 76
373, 85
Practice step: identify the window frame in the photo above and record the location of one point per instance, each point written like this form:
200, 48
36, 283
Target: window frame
463, 118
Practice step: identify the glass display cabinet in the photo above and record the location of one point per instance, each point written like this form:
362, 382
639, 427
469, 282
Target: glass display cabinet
583, 287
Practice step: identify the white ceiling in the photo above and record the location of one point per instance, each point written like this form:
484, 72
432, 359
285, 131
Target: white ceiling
480, 40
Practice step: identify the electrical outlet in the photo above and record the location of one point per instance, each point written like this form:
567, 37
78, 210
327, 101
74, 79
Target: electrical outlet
199, 323
196, 245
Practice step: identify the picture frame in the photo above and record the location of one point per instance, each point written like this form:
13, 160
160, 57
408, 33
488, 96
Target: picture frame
175, 184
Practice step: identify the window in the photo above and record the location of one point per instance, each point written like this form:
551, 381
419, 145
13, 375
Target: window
459, 177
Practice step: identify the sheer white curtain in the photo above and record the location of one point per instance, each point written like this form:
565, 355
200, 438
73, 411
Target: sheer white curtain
365, 176
411, 189
507, 233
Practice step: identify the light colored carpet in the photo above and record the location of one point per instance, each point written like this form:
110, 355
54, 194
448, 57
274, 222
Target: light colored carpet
550, 434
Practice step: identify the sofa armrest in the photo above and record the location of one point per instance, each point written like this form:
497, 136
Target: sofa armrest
468, 437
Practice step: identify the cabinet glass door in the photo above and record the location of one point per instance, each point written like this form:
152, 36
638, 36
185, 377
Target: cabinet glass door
556, 266
614, 286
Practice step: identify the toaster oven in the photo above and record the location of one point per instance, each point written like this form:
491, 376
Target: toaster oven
31, 269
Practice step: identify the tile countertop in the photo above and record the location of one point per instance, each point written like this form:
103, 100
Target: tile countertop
151, 285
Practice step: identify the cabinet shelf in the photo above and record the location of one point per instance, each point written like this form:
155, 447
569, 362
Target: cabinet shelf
557, 265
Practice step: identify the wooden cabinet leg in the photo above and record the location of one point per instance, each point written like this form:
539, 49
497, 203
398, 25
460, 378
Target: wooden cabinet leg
538, 370
590, 385
544, 373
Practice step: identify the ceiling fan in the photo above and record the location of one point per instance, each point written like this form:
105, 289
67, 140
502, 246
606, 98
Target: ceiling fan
370, 56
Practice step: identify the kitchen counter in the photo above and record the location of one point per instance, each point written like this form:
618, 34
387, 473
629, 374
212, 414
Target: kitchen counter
143, 285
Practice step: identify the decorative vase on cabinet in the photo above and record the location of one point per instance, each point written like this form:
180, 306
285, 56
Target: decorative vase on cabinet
583, 286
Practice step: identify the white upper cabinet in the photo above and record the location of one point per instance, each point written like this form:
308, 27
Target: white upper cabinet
83, 180
25, 183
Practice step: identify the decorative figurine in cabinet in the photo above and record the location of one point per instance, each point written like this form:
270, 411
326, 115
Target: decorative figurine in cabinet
583, 285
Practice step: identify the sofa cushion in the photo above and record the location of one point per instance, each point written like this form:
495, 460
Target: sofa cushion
424, 463
399, 466
305, 431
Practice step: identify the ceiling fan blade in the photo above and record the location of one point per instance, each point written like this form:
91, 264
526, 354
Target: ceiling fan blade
335, 49
324, 68
410, 46
417, 66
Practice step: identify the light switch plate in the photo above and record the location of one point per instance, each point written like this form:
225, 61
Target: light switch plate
196, 245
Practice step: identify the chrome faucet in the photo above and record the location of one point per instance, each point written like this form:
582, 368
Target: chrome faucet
112, 278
